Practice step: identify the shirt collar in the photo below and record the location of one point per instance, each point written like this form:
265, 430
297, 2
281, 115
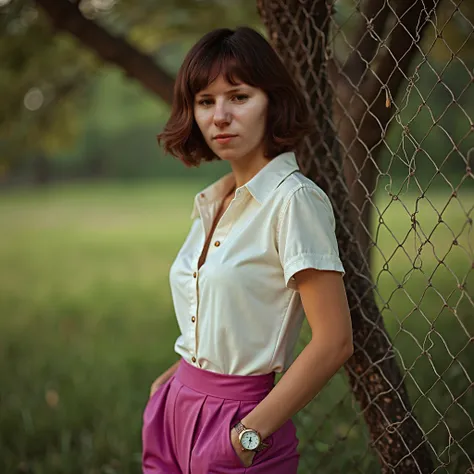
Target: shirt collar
271, 175
260, 186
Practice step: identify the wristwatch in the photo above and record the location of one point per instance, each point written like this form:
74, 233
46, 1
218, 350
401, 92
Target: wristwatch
249, 439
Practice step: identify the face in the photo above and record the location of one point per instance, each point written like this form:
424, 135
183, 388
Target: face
232, 119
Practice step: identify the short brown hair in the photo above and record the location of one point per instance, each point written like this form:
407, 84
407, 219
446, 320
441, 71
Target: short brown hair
245, 55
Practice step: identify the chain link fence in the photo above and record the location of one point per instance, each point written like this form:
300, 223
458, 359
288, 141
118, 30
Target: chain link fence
392, 86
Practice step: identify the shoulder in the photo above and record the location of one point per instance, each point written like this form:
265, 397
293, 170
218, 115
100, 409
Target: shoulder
297, 188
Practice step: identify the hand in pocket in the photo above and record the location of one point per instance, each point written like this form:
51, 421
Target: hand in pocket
245, 457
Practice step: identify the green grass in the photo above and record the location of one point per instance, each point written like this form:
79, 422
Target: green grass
86, 313
87, 322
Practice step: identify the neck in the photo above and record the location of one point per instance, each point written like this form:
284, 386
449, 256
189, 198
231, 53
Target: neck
245, 169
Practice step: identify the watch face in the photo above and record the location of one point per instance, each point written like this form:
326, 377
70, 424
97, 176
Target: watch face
250, 440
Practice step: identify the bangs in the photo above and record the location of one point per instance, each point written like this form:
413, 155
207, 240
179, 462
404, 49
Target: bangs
207, 68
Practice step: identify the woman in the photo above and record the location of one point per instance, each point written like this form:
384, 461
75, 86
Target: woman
261, 249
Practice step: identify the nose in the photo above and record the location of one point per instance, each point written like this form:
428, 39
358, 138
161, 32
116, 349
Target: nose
222, 115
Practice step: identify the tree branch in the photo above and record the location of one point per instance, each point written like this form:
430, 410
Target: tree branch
66, 16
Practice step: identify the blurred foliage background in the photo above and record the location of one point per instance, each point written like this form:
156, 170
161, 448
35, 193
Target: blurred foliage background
65, 114
92, 214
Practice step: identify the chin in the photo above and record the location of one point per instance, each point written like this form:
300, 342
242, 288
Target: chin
228, 155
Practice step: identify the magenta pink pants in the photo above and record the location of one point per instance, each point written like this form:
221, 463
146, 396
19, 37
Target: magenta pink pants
187, 423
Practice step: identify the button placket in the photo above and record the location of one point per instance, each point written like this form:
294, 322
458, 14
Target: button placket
226, 222
193, 327
220, 232
193, 307
219, 237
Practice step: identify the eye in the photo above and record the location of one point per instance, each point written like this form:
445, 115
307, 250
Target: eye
240, 97
204, 102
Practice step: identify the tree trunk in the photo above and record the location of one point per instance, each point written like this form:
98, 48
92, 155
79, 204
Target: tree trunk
298, 29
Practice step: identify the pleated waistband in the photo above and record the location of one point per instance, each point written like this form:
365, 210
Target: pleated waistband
231, 387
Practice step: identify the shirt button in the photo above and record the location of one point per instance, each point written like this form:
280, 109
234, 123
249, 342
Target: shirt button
202, 195
193, 319
217, 243
194, 359
194, 275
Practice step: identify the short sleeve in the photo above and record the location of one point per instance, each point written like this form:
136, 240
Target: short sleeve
306, 234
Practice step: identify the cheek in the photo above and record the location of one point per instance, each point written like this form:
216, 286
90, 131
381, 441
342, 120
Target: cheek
255, 125
201, 119
198, 120
255, 116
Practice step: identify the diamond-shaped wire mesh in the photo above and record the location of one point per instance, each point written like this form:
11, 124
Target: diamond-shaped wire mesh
392, 82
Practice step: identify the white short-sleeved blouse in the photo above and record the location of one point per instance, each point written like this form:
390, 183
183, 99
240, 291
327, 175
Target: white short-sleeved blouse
240, 312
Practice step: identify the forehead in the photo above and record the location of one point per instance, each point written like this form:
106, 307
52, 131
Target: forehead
215, 72
221, 85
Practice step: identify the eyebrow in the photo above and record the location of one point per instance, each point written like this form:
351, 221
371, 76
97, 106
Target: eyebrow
230, 91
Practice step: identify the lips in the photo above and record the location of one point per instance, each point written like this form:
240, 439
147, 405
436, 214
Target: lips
224, 138
224, 135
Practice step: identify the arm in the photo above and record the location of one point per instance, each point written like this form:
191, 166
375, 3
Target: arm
326, 308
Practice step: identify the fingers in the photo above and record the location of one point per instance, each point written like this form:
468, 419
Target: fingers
156, 385
154, 388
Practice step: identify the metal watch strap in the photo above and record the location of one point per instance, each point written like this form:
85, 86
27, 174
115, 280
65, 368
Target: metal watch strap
239, 427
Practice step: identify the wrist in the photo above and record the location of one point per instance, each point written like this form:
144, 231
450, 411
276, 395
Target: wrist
260, 429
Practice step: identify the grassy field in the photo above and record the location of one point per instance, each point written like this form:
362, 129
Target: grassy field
86, 323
